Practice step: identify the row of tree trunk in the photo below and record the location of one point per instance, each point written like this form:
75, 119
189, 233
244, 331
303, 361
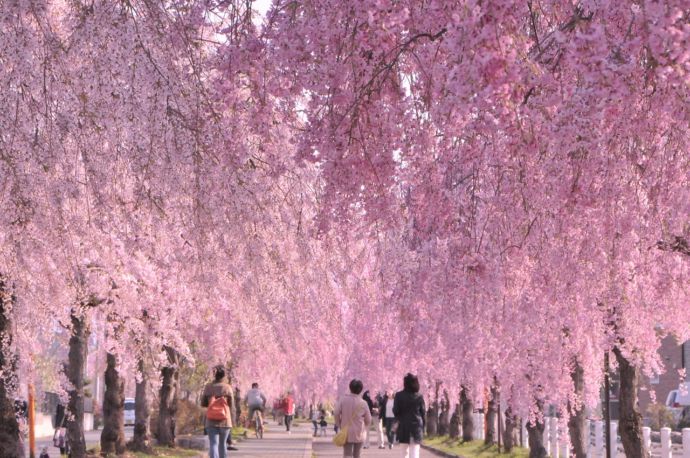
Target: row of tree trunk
113, 436
630, 417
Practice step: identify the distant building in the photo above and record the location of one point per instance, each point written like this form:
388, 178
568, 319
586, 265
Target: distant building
674, 356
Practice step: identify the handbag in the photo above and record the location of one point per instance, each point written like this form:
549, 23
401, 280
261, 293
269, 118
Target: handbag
60, 438
340, 439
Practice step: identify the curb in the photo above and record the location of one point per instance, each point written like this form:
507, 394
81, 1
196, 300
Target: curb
439, 452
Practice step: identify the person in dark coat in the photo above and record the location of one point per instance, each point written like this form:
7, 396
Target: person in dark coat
409, 410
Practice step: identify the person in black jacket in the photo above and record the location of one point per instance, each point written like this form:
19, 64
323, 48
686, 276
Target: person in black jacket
409, 410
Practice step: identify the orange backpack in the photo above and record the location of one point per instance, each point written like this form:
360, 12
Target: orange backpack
218, 409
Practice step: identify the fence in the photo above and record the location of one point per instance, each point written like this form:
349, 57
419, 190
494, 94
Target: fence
557, 442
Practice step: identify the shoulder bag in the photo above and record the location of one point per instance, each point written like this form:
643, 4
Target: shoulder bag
341, 438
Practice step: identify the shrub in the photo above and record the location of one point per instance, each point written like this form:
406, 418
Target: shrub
190, 418
660, 416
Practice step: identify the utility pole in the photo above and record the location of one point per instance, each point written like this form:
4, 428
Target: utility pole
499, 424
607, 404
32, 421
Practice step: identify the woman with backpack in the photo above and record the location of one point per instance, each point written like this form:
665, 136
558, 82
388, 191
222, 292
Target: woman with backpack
217, 397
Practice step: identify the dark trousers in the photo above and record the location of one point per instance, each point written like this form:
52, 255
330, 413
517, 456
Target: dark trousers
288, 422
388, 424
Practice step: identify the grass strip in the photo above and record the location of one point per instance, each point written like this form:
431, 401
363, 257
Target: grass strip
472, 449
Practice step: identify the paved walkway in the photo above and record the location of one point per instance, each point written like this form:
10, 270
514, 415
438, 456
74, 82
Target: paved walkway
323, 447
93, 438
277, 443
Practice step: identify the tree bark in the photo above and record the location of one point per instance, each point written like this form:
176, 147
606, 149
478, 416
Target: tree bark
113, 434
510, 433
168, 400
467, 409
9, 427
141, 442
535, 439
432, 414
630, 424
238, 406
577, 422
444, 418
491, 410
454, 425
74, 370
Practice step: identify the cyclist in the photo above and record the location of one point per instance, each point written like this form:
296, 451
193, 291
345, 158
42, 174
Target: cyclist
256, 402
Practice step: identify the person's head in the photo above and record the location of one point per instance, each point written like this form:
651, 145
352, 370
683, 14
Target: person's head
389, 394
411, 383
255, 385
356, 386
218, 373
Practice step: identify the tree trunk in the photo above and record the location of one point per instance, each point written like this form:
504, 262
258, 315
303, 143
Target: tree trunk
467, 409
141, 442
630, 424
168, 400
432, 415
444, 418
510, 433
9, 428
431, 421
113, 434
454, 425
535, 439
74, 370
491, 410
577, 423
238, 406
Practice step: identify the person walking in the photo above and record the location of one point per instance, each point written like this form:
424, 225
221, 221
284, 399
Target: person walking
352, 412
233, 412
314, 417
377, 419
60, 438
289, 407
409, 410
370, 405
217, 397
388, 417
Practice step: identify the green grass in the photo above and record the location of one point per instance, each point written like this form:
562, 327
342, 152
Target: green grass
238, 431
158, 452
165, 452
473, 449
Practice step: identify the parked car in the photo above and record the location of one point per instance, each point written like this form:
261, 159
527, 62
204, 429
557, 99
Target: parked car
129, 411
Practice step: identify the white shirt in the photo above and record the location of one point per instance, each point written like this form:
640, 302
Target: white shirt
389, 408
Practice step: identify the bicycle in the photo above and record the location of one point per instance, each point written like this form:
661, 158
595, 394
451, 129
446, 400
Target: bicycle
258, 424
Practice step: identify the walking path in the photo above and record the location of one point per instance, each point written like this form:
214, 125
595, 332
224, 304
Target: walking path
277, 443
323, 447
93, 438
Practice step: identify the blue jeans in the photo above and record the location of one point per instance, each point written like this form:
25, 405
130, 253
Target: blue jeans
217, 437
